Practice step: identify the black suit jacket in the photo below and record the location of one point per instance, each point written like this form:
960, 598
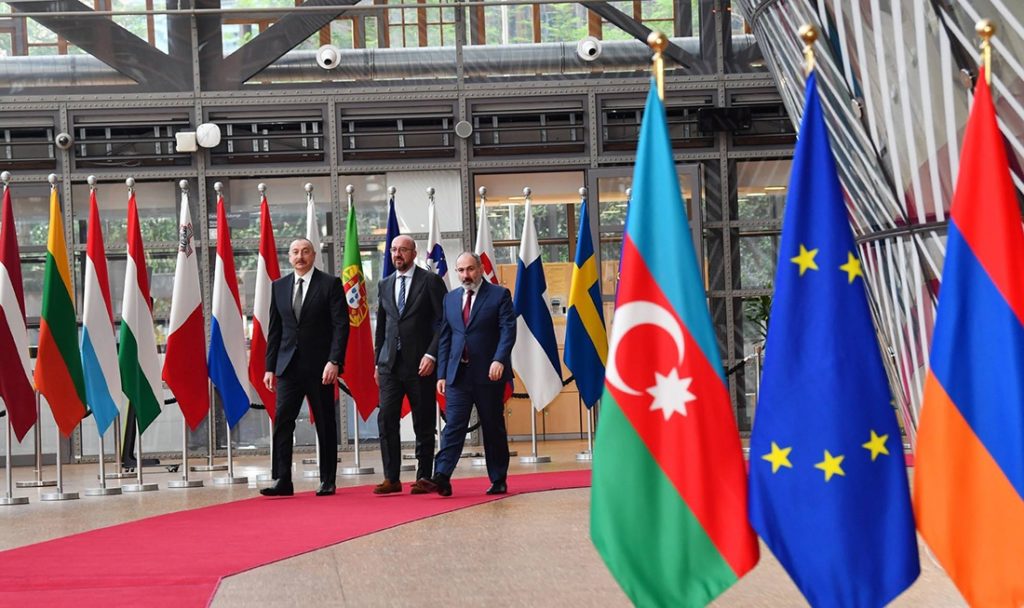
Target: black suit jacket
419, 325
320, 335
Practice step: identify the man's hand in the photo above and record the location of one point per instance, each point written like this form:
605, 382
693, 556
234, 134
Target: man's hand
269, 381
426, 366
330, 373
496, 371
440, 386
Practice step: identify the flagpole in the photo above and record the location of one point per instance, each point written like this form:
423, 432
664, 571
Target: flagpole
184, 482
267, 476
588, 454
658, 43
139, 485
210, 417
37, 437
103, 490
357, 469
118, 459
533, 458
229, 478
9, 498
60, 494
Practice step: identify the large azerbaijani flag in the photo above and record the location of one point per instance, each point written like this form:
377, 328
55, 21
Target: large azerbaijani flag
99, 346
185, 361
669, 499
16, 373
359, 363
267, 271
969, 482
226, 359
58, 374
137, 358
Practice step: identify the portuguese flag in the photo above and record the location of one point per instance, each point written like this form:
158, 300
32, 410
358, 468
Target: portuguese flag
359, 360
669, 498
58, 374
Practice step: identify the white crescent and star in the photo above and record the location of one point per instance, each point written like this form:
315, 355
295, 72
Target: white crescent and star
671, 392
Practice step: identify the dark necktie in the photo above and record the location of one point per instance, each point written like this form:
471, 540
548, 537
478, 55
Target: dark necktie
297, 300
465, 321
401, 294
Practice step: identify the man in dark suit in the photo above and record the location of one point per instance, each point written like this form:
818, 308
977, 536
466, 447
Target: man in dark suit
306, 343
408, 325
473, 366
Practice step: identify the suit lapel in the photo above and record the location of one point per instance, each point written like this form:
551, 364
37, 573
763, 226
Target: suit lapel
311, 289
414, 289
478, 298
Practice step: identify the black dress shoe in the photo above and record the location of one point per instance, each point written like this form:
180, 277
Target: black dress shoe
443, 483
325, 489
497, 487
280, 488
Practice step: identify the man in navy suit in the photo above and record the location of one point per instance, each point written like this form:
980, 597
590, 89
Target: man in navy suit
473, 366
306, 341
408, 327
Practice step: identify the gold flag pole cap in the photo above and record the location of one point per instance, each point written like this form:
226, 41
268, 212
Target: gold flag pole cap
986, 29
808, 33
658, 41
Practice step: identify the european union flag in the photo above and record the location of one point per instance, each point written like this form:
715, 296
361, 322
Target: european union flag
392, 231
586, 340
828, 483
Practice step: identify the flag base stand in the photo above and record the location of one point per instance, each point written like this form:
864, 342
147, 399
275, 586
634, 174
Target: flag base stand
54, 496
534, 459
264, 478
229, 481
584, 456
408, 456
407, 467
118, 476
13, 500
102, 492
309, 461
355, 471
9, 498
207, 468
140, 487
471, 455
185, 483
310, 473
478, 462
38, 483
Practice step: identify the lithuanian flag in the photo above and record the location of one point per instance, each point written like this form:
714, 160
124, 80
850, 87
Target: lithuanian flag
58, 374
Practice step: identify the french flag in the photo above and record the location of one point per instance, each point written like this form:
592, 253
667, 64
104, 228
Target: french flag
226, 360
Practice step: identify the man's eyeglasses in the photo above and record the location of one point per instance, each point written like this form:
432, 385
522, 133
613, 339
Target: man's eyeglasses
402, 250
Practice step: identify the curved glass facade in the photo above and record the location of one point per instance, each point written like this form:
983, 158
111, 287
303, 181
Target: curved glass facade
896, 79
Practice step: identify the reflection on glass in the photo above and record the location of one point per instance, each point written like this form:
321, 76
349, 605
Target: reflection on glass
157, 202
761, 188
287, 200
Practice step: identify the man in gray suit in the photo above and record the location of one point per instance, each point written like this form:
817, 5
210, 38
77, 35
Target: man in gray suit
408, 326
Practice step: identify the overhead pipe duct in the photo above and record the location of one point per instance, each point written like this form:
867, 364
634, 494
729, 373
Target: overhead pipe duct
480, 61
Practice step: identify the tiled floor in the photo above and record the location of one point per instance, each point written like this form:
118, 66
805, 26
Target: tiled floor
530, 550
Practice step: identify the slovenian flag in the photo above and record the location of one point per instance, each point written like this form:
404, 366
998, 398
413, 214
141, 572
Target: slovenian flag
435, 259
669, 498
184, 364
267, 271
99, 344
58, 373
969, 483
535, 354
227, 339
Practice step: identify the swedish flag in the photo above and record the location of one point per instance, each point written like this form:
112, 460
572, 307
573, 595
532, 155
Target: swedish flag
828, 483
586, 340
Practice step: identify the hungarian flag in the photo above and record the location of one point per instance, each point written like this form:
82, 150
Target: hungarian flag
59, 375
969, 484
267, 271
359, 365
140, 366
15, 374
185, 361
669, 498
99, 343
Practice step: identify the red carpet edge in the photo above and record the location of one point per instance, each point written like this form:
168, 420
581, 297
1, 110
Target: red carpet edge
178, 559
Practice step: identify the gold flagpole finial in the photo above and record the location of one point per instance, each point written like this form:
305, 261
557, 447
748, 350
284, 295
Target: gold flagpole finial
986, 29
658, 42
809, 34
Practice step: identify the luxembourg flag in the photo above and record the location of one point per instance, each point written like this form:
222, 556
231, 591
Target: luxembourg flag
227, 339
267, 271
184, 368
436, 262
535, 355
99, 348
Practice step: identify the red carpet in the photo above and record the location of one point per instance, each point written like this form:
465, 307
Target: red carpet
177, 560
